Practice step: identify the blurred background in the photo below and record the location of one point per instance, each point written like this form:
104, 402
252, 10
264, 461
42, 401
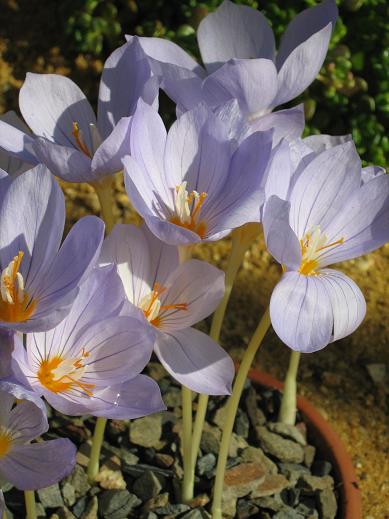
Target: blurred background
349, 380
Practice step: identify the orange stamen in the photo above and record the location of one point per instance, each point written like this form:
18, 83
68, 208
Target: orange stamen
83, 147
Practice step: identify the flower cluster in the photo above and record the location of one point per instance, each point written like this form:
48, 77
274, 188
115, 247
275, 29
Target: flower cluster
79, 321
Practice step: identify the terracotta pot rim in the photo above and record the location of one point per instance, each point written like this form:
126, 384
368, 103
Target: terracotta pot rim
351, 502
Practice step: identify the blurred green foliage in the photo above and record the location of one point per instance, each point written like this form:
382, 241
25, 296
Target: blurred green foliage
352, 90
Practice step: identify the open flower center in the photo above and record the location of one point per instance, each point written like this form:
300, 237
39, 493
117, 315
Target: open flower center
313, 246
188, 208
15, 303
152, 307
6, 437
59, 375
80, 140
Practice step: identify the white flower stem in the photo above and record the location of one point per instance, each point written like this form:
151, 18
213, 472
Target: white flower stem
104, 191
232, 407
97, 442
288, 407
188, 480
239, 247
29, 499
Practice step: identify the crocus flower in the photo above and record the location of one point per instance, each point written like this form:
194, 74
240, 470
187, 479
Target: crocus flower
29, 466
194, 183
70, 141
38, 279
237, 47
333, 211
171, 298
90, 362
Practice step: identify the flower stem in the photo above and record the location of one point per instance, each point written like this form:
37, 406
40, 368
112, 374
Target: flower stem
97, 442
188, 481
232, 407
104, 191
242, 238
29, 499
288, 407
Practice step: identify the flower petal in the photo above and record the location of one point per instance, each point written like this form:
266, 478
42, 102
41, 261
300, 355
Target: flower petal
28, 420
33, 216
371, 172
287, 123
128, 65
253, 82
234, 31
240, 197
51, 103
65, 162
301, 312
196, 284
198, 151
196, 361
16, 152
281, 241
75, 259
324, 142
108, 157
137, 397
38, 465
278, 173
347, 301
141, 259
165, 51
323, 188
363, 222
303, 49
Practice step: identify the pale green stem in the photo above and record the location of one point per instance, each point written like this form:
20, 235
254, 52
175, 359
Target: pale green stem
104, 191
4, 515
288, 407
97, 442
238, 249
29, 499
232, 407
188, 481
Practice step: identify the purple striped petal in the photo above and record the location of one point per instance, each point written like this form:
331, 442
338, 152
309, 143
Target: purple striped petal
51, 103
253, 82
65, 162
197, 285
347, 301
196, 361
38, 465
109, 155
287, 123
281, 241
234, 31
137, 397
363, 222
301, 312
16, 142
128, 65
323, 188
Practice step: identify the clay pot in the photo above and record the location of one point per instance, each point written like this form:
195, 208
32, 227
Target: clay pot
329, 445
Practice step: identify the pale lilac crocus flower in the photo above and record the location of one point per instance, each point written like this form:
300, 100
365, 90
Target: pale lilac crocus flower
26, 465
68, 138
12, 165
38, 276
193, 183
171, 298
90, 363
237, 47
333, 211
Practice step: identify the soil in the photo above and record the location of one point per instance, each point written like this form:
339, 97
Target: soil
336, 379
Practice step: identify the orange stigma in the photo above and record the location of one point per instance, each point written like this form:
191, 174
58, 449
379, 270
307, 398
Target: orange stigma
5, 441
79, 140
152, 308
60, 375
15, 303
